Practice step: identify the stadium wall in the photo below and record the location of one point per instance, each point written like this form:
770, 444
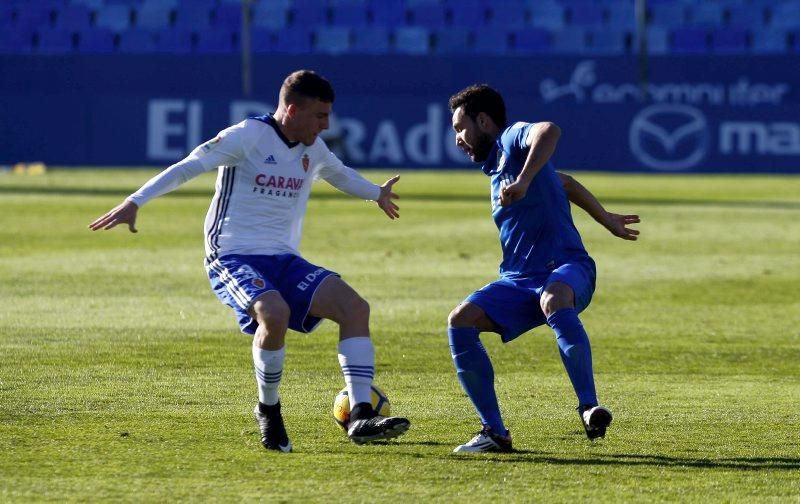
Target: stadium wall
696, 114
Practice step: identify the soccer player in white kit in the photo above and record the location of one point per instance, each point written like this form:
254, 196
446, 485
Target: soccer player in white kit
252, 230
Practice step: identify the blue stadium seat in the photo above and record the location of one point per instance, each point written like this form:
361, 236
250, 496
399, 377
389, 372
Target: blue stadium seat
607, 42
261, 40
153, 16
174, 41
511, 15
746, 16
492, 41
786, 15
295, 40
708, 14
36, 15
428, 15
371, 40
551, 19
772, 41
332, 40
453, 40
228, 17
467, 13
204, 5
116, 18
730, 40
16, 41
309, 14
341, 3
98, 40
584, 14
270, 15
349, 15
668, 15
532, 41
543, 6
189, 17
217, 41
414, 3
622, 16
7, 15
689, 41
657, 41
164, 4
569, 41
282, 3
137, 41
411, 40
388, 13
54, 41
92, 4
74, 18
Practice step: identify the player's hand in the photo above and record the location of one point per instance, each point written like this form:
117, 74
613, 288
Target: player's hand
618, 225
513, 192
125, 213
385, 202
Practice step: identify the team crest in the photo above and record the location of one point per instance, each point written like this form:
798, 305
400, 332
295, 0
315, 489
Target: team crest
305, 162
245, 272
259, 282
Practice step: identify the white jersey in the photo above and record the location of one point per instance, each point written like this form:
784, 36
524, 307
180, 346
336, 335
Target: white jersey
262, 188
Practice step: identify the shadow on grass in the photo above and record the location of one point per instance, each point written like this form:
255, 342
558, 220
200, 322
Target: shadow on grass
193, 193
625, 459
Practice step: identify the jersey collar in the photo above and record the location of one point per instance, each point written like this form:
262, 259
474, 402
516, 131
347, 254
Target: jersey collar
269, 119
490, 165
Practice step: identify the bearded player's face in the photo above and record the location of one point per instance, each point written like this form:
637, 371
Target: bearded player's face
470, 138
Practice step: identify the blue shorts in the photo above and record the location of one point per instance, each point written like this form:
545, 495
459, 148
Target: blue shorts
513, 305
238, 280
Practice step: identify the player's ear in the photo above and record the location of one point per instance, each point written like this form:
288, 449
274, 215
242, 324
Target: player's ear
291, 109
483, 120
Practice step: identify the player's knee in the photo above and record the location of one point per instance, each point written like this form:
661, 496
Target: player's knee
556, 297
460, 317
276, 312
356, 308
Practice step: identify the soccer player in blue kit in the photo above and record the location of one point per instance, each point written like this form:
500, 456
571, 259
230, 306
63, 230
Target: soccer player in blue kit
546, 276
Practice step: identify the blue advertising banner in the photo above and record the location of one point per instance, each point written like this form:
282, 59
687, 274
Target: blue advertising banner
693, 114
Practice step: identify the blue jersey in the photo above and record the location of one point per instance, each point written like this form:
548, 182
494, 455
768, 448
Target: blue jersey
536, 233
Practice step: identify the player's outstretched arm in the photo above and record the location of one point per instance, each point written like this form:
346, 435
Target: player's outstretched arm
124, 213
385, 202
617, 224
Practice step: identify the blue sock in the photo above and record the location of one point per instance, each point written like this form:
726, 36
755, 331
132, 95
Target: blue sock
475, 372
576, 353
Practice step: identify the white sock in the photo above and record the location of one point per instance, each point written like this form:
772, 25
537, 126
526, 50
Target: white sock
269, 368
357, 358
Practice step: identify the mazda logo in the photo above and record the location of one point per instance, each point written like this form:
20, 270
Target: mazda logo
669, 137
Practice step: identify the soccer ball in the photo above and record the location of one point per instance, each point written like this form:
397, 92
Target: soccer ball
341, 406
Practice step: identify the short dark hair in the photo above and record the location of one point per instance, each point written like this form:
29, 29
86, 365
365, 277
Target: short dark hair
306, 84
479, 98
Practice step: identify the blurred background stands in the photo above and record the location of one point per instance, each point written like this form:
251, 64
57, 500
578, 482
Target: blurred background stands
484, 27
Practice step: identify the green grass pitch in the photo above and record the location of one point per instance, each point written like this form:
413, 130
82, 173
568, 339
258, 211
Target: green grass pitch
124, 379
